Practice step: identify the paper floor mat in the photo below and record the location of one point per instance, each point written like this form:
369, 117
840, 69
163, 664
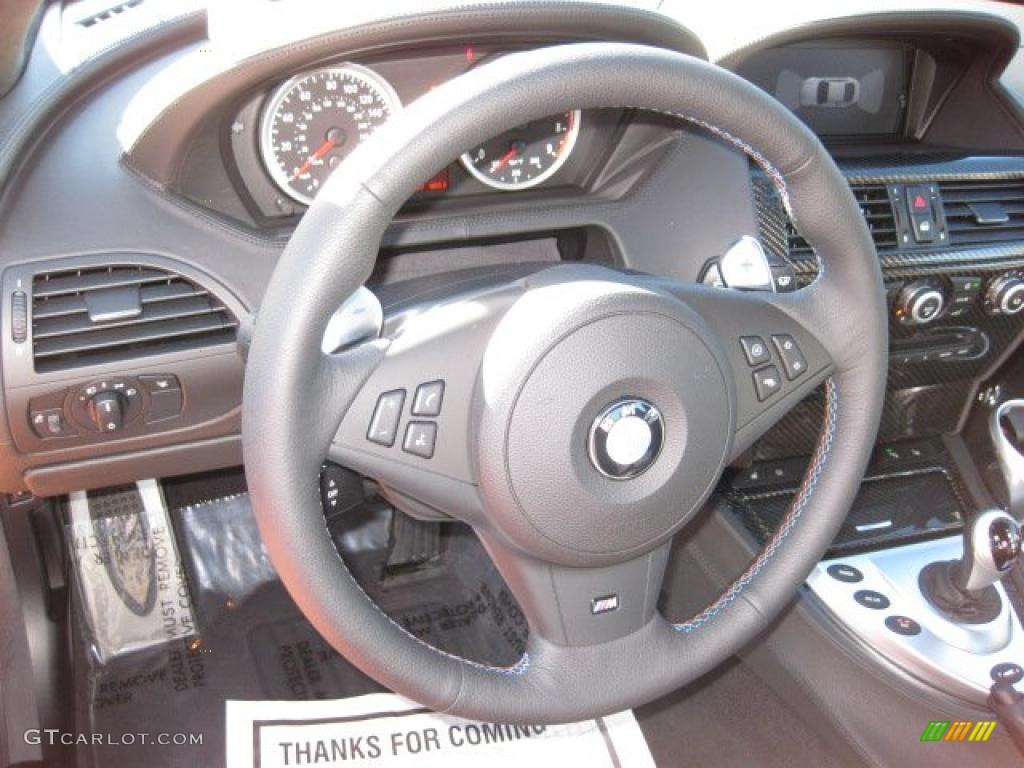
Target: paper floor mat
387, 730
127, 570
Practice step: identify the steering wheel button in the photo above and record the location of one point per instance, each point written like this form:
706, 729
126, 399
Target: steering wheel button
767, 382
871, 599
755, 349
427, 401
384, 423
793, 360
420, 437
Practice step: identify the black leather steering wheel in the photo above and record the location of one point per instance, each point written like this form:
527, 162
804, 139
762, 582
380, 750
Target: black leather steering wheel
536, 371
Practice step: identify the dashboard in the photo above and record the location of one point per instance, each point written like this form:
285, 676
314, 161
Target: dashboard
180, 168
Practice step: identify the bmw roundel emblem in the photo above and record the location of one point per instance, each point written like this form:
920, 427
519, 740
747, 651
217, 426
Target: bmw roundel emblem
626, 438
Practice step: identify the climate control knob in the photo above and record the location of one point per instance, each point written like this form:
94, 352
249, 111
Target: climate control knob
106, 409
920, 303
1005, 295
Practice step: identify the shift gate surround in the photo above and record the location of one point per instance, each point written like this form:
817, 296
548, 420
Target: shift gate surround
577, 665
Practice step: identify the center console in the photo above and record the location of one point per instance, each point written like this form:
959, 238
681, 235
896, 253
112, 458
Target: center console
917, 574
879, 597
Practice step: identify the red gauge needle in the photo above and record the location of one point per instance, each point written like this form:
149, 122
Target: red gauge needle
322, 150
502, 161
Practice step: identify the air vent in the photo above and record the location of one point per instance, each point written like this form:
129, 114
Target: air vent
91, 13
877, 209
984, 212
99, 315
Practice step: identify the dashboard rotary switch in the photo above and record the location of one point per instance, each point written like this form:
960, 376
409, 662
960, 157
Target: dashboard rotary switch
920, 303
108, 406
1005, 295
106, 409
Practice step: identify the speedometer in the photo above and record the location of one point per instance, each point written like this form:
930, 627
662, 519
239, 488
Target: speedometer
313, 121
527, 155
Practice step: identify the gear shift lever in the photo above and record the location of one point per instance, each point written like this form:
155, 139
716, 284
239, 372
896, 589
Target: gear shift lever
992, 545
1006, 428
962, 589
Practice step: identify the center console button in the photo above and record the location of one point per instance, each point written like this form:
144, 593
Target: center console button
1007, 672
922, 214
903, 625
845, 573
965, 285
871, 599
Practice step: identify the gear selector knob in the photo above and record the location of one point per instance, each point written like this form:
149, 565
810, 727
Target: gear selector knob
992, 545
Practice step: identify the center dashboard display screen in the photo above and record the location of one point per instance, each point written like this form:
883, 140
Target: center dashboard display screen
836, 90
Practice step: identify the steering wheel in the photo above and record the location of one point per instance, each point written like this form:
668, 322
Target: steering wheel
587, 413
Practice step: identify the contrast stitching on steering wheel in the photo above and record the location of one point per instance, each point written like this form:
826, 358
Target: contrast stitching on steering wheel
800, 503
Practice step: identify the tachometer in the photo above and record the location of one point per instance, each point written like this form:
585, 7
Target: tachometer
525, 156
313, 121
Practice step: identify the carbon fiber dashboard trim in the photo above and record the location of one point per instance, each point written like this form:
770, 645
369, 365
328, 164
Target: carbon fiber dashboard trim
922, 399
940, 512
965, 169
771, 221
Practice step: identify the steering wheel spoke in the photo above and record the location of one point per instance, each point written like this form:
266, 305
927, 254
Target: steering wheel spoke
773, 348
582, 606
337, 381
410, 426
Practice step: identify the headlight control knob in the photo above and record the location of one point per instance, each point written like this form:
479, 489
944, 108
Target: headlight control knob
920, 303
106, 409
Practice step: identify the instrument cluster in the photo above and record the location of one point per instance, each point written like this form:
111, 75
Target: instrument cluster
286, 140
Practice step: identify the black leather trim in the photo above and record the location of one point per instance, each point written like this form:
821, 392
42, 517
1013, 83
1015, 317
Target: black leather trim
45, 111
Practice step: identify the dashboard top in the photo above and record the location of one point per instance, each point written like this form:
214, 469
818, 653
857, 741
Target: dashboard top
191, 153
